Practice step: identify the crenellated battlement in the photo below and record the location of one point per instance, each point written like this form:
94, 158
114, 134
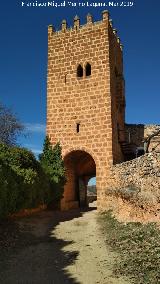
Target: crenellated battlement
90, 24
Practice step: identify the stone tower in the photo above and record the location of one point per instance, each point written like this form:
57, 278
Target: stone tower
86, 103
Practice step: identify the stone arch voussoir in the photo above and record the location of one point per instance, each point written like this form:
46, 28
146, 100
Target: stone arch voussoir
83, 148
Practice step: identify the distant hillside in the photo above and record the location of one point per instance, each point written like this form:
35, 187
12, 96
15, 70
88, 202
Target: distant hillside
91, 190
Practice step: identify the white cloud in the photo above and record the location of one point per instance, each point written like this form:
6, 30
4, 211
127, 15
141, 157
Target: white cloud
35, 127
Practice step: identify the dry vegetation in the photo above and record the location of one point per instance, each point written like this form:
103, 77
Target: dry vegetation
138, 246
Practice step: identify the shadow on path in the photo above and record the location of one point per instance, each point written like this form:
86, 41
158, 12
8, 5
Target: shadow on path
30, 252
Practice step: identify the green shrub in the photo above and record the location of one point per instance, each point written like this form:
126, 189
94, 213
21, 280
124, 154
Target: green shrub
28, 183
53, 165
17, 157
9, 190
23, 182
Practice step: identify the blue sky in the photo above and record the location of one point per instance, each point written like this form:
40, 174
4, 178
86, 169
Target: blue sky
23, 59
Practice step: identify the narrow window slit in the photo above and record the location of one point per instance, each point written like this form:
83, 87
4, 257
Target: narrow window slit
78, 127
88, 69
79, 71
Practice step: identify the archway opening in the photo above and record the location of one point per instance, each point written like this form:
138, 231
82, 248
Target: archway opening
80, 168
91, 192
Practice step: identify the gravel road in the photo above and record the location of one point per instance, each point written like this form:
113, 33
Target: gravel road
56, 248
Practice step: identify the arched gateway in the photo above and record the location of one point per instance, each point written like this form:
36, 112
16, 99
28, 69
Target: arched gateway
86, 103
80, 167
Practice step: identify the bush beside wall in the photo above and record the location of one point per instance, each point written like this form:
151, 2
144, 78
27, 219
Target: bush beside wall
23, 182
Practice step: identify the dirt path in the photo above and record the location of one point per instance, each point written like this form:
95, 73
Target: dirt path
56, 248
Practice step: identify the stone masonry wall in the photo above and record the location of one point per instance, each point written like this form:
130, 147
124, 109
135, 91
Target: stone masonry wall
137, 180
83, 101
117, 94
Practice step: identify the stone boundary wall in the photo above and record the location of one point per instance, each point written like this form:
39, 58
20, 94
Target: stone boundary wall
142, 172
28, 212
136, 182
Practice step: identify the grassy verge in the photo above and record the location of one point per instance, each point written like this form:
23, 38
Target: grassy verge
138, 247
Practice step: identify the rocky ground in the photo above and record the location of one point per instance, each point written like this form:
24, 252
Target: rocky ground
56, 247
